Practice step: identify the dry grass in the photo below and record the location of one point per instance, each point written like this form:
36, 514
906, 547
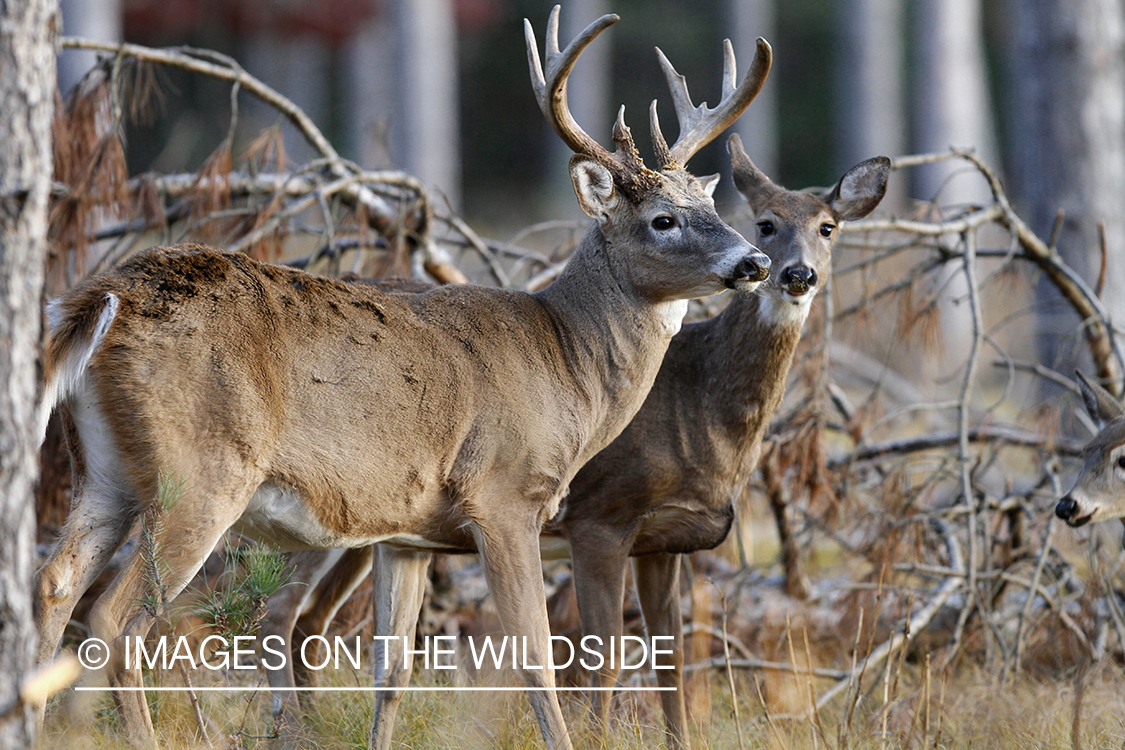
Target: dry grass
897, 708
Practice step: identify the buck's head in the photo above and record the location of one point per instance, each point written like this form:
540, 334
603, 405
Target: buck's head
798, 229
1099, 492
663, 235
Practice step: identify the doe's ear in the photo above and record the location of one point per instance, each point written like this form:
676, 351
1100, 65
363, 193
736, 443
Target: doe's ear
593, 184
752, 182
1100, 403
860, 189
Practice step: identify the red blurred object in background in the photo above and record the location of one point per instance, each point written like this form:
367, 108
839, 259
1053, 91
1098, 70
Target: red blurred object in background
157, 21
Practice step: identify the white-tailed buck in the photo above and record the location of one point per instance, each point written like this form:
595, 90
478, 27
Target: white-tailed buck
667, 484
310, 413
1099, 491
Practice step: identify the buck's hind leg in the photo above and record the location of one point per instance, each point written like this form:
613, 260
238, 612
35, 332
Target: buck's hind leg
324, 601
103, 512
100, 520
185, 533
399, 584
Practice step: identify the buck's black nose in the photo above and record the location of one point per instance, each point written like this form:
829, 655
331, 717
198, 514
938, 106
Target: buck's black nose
1066, 508
798, 280
754, 267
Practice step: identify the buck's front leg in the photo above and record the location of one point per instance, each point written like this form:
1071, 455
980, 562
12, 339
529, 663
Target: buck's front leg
658, 587
599, 561
509, 550
399, 584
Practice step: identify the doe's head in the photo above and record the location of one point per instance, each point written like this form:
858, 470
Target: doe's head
797, 229
1099, 491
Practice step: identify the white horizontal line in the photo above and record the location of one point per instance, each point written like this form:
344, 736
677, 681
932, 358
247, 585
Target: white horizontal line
417, 689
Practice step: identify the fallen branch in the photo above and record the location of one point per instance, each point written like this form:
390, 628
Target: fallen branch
949, 438
915, 625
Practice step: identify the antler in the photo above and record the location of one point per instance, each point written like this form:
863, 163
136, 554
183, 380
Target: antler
699, 125
624, 163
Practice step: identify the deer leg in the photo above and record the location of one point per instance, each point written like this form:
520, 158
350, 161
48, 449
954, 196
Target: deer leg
324, 601
599, 586
188, 532
99, 522
334, 589
399, 584
509, 550
306, 571
657, 577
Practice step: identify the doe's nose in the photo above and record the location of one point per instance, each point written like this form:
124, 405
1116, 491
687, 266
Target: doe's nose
797, 280
1066, 508
754, 267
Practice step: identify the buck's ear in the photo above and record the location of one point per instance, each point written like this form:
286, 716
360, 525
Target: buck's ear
860, 189
1100, 403
752, 182
709, 183
593, 184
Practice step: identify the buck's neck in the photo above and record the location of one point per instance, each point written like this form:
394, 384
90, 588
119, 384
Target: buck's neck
613, 340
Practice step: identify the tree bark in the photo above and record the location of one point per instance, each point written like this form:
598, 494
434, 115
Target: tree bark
28, 30
870, 112
92, 19
1068, 150
758, 124
952, 108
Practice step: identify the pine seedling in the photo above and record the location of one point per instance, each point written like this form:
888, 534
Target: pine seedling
168, 492
238, 609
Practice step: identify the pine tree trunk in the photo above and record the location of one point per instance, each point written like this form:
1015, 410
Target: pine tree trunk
28, 30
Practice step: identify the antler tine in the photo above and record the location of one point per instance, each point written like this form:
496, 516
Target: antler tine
659, 145
550, 89
699, 125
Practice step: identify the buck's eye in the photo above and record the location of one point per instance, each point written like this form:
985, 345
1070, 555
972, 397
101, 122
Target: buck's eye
1121, 463
663, 223
826, 230
765, 228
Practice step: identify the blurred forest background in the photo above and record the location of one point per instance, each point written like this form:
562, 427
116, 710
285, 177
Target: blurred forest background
931, 423
439, 89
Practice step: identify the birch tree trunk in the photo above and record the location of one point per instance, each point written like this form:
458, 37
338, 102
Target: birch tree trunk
92, 19
28, 30
1068, 149
426, 130
399, 106
952, 108
870, 112
758, 124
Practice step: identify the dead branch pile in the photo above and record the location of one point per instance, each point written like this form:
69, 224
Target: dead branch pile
908, 483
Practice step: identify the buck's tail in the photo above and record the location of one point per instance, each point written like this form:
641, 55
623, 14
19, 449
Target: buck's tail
77, 325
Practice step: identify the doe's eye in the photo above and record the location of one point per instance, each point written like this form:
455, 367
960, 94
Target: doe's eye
1121, 463
663, 222
826, 230
765, 228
